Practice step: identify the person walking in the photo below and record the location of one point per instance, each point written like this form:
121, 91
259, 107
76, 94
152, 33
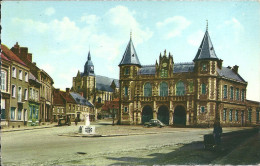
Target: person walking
217, 132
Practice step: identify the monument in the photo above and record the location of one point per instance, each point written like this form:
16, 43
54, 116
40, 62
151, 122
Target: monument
87, 128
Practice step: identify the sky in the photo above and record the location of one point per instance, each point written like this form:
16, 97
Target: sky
60, 34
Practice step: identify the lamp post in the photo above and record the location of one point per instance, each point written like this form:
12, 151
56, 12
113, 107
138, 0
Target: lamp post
113, 114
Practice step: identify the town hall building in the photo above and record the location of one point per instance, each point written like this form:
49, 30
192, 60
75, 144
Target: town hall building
184, 94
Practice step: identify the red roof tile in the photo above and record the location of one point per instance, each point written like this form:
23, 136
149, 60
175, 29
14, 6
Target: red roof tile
11, 56
4, 57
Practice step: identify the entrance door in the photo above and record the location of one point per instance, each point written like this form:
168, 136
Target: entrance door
163, 115
179, 116
147, 114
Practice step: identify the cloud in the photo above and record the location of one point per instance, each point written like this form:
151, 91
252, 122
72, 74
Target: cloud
126, 22
65, 40
49, 11
195, 38
173, 26
90, 19
234, 27
48, 68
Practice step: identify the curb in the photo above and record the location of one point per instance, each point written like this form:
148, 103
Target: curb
27, 129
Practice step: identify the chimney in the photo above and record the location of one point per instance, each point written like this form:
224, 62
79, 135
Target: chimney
229, 67
23, 52
29, 57
56, 90
220, 63
67, 90
34, 63
235, 69
16, 49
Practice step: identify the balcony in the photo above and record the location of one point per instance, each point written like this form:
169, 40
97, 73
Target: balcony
162, 98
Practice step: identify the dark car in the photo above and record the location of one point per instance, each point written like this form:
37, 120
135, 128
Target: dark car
64, 120
154, 122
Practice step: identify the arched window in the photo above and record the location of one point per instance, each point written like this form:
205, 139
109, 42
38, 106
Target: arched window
180, 88
163, 89
147, 89
203, 88
126, 91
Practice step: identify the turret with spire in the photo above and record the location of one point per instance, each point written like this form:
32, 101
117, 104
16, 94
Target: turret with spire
130, 56
206, 49
89, 67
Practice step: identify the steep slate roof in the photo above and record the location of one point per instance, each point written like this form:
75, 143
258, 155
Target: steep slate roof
178, 68
183, 67
80, 99
116, 83
103, 83
206, 49
229, 73
87, 66
11, 56
130, 57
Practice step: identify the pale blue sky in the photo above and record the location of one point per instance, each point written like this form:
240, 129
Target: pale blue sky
59, 34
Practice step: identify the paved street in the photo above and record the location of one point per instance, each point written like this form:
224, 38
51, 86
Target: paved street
55, 146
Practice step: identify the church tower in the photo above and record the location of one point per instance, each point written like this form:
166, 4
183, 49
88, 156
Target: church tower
129, 68
206, 64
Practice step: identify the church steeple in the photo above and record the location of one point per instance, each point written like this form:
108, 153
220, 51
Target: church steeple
89, 67
206, 49
130, 56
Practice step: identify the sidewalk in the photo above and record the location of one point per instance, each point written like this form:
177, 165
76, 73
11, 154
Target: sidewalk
22, 128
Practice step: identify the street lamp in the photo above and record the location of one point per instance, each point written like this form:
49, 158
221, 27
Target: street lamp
113, 114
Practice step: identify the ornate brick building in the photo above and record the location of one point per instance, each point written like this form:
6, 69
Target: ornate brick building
193, 94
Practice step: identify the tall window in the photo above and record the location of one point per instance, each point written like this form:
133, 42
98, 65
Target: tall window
26, 76
237, 94
250, 115
225, 91
180, 88
236, 115
163, 89
191, 86
126, 71
19, 114
230, 115
204, 67
203, 88
224, 114
31, 97
25, 94
36, 95
12, 113
202, 109
147, 89
125, 109
164, 73
231, 92
13, 90
3, 116
14, 72
126, 91
3, 80
20, 75
19, 94
243, 95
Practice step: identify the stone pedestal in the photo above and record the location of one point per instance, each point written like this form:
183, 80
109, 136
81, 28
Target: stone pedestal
87, 128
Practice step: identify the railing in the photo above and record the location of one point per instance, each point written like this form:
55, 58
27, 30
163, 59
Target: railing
162, 98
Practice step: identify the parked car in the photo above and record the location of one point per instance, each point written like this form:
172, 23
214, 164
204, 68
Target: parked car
64, 120
154, 122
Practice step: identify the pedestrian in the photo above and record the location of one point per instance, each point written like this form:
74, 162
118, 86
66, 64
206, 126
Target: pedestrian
76, 121
217, 133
